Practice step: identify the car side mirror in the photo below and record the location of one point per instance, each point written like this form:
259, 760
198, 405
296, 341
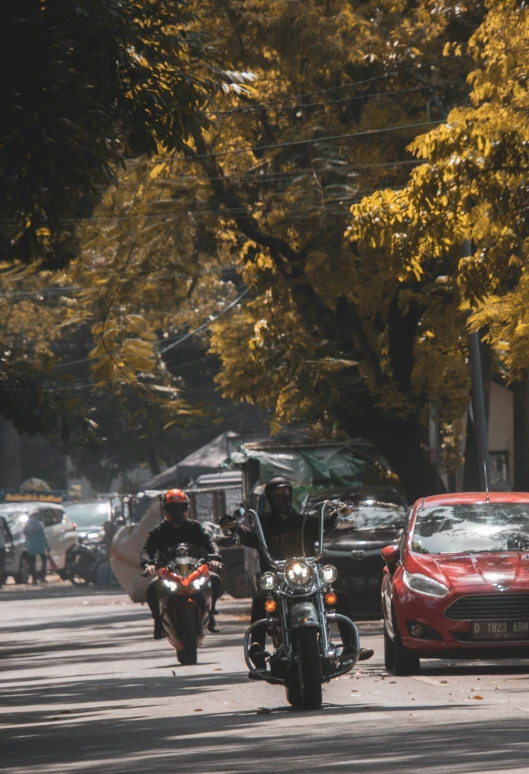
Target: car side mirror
391, 555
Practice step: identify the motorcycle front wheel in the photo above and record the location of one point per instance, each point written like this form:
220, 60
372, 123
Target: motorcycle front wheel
187, 628
309, 694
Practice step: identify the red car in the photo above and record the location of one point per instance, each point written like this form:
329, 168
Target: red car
457, 585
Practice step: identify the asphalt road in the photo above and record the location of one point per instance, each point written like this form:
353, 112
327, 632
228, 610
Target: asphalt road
85, 689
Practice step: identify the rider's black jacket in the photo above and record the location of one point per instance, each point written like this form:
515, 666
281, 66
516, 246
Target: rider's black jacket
284, 535
163, 538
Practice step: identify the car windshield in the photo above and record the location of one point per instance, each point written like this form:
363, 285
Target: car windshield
472, 528
88, 514
378, 508
16, 518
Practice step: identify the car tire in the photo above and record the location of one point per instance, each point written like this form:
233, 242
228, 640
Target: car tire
398, 660
23, 574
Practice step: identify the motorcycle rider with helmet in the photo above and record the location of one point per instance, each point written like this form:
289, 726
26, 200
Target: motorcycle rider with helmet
287, 534
161, 541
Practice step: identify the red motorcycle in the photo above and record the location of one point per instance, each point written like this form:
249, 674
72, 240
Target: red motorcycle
184, 595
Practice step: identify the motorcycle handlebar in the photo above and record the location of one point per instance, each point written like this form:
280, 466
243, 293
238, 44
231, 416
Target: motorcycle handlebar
339, 507
159, 565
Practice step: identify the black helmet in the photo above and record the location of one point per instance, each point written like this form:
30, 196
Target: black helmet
278, 492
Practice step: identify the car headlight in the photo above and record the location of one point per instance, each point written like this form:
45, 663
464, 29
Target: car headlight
268, 581
421, 584
329, 573
198, 583
298, 573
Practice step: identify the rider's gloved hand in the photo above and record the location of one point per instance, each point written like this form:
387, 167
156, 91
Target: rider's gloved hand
216, 566
151, 569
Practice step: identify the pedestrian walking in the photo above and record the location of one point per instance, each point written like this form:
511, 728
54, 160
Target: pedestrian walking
36, 545
5, 536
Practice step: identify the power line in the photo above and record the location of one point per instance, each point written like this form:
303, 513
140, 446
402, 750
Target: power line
275, 177
169, 216
421, 66
297, 106
202, 327
44, 292
290, 143
185, 337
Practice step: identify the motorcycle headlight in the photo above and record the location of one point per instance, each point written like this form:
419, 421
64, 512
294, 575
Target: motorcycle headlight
268, 581
298, 573
422, 584
198, 583
170, 584
329, 573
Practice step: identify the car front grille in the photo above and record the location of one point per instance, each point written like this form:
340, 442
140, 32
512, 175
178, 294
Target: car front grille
489, 607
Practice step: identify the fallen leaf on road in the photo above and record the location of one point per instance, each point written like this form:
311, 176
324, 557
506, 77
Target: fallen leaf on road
264, 711
173, 672
65, 712
198, 710
393, 682
217, 670
444, 682
478, 697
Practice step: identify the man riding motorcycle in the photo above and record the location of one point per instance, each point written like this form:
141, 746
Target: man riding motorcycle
287, 534
161, 541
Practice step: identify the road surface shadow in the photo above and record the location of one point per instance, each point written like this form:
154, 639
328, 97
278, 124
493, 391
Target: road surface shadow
225, 743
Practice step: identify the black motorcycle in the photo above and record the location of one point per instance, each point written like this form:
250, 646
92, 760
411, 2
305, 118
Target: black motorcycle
83, 562
299, 608
184, 594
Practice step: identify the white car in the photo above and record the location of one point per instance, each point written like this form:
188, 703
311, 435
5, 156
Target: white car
59, 529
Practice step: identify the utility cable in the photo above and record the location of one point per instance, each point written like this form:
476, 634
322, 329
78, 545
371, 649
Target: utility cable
305, 105
287, 144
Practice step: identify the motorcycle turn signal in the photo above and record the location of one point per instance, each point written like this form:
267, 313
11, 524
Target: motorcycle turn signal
270, 605
330, 598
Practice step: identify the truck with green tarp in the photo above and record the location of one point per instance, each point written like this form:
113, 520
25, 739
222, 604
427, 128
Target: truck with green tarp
310, 466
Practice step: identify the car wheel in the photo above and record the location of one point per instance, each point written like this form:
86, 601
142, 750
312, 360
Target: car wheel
397, 658
23, 574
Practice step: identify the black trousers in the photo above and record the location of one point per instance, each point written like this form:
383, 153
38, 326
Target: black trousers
2, 565
152, 594
32, 561
343, 606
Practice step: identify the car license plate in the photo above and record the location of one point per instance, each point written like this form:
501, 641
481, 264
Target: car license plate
366, 582
499, 630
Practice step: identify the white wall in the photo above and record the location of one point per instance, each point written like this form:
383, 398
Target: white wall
501, 423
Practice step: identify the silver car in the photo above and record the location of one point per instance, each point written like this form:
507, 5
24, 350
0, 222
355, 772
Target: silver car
59, 529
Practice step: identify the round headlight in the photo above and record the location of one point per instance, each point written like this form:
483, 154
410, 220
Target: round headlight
298, 573
268, 581
329, 573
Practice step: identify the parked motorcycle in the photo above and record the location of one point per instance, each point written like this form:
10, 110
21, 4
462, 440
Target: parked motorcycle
83, 561
184, 594
299, 610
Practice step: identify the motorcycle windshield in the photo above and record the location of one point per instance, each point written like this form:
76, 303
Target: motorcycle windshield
184, 558
302, 540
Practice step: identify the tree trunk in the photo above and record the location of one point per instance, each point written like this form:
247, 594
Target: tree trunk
471, 471
10, 460
471, 478
521, 433
402, 444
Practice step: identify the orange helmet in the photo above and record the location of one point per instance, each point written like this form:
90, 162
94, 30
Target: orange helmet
175, 506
